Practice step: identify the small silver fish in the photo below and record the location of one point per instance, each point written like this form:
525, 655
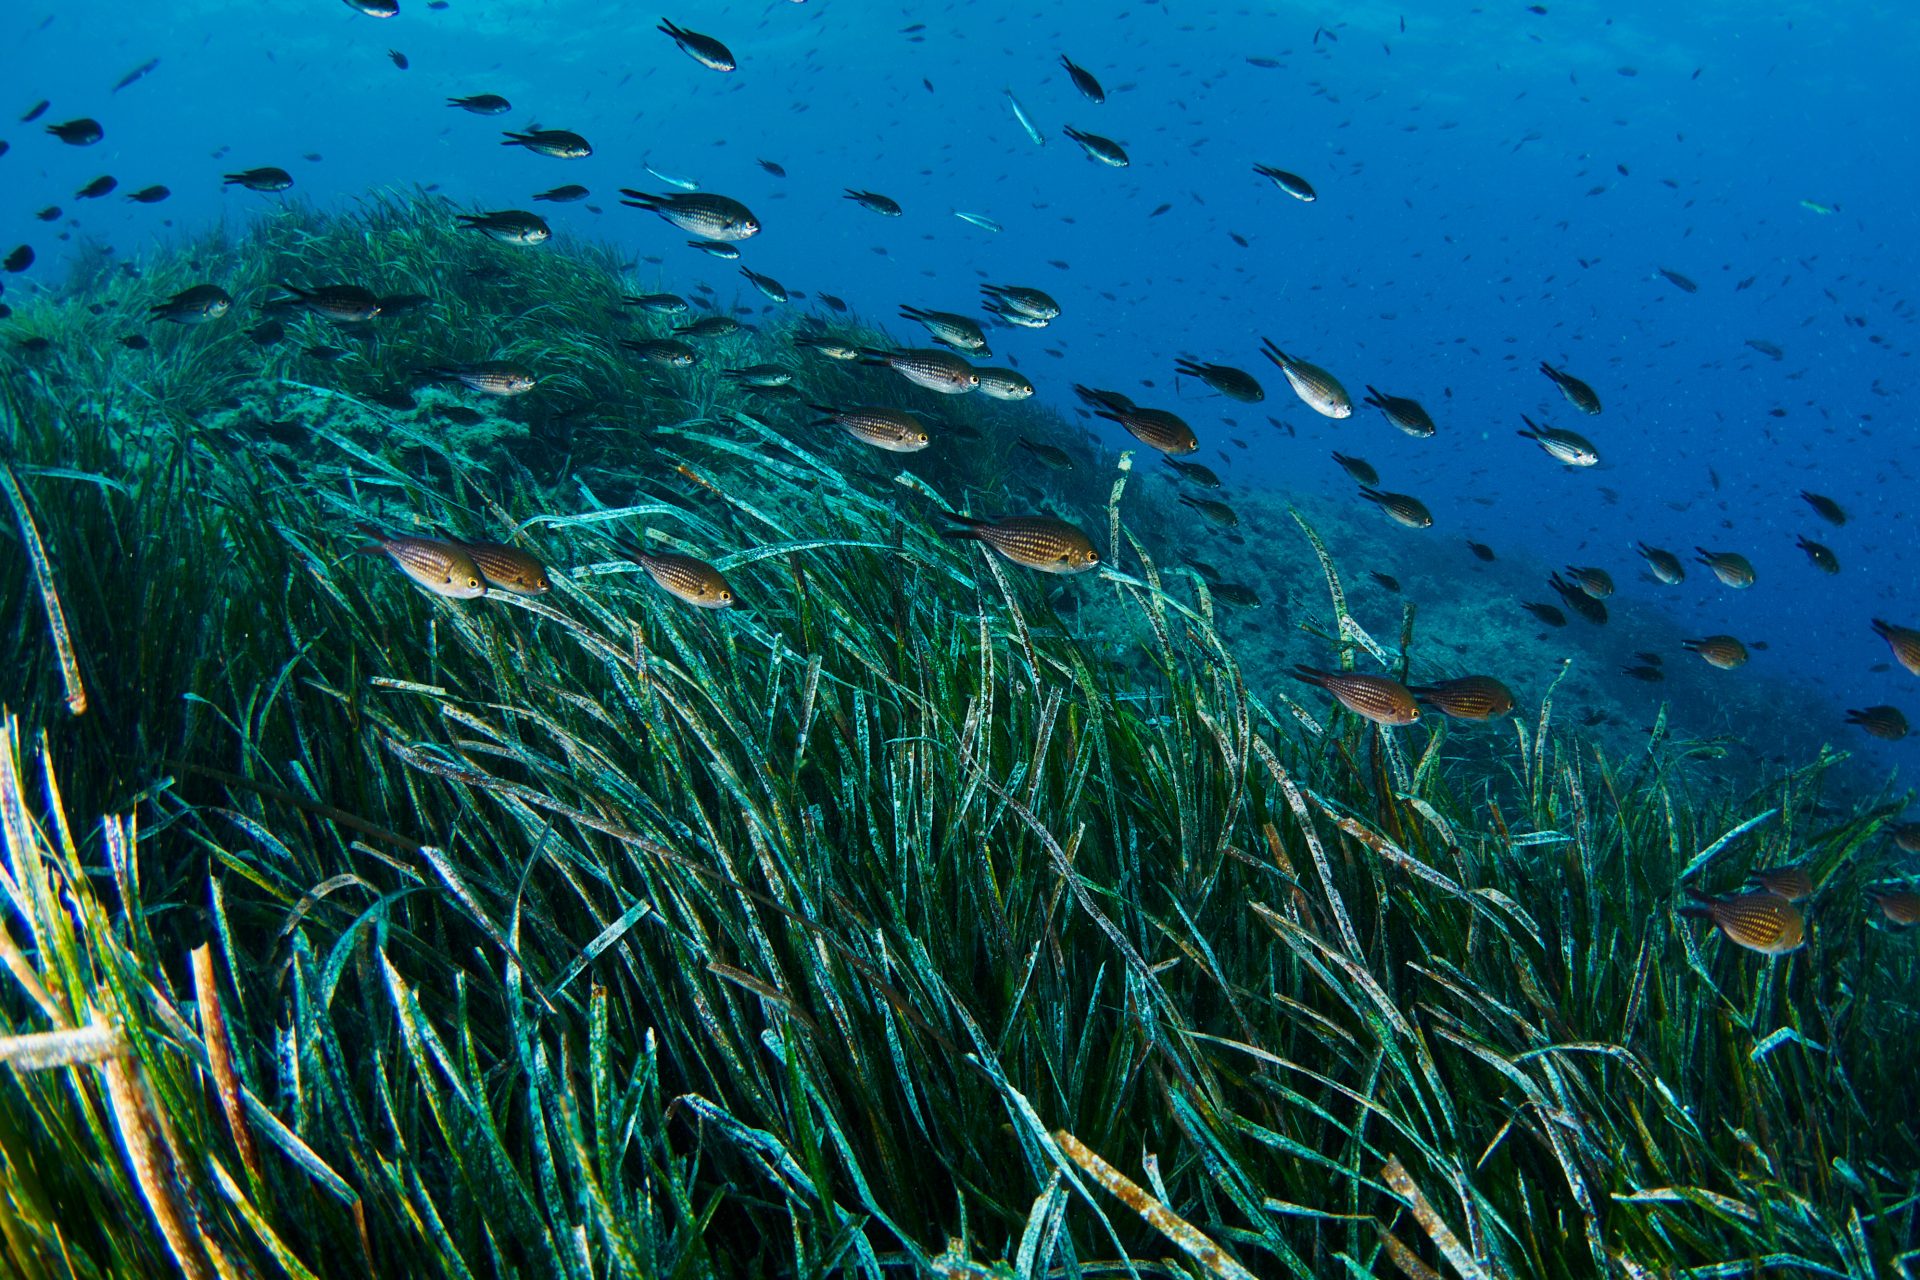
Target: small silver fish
1026, 121
979, 220
685, 184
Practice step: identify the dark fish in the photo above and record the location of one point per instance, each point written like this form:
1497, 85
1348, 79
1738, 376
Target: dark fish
1083, 81
1578, 393
1906, 836
1679, 281
557, 143
698, 213
759, 376
135, 342
1900, 907
1481, 550
1768, 349
49, 214
1155, 428
1723, 652
20, 259
1664, 565
705, 50
1038, 542
1049, 455
1819, 555
1375, 698
1762, 922
564, 195
509, 568
714, 249
508, 226
660, 304
694, 581
770, 288
78, 133
1826, 508
201, 303
1317, 388
1467, 698
1401, 508
1291, 183
1386, 580
1217, 512
1883, 722
1904, 641
1401, 412
873, 201
1235, 593
34, 112
1359, 468
1104, 150
482, 104
149, 195
444, 568
1579, 601
1235, 384
1732, 568
399, 59
773, 168
893, 430
1199, 473
491, 377
267, 333
375, 8
140, 72
344, 302
100, 186
663, 351
266, 178
1648, 673
707, 327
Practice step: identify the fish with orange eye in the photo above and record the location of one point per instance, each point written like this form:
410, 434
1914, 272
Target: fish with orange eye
1762, 922
1901, 907
1723, 652
1732, 568
1883, 722
1904, 641
1376, 698
1792, 883
1466, 698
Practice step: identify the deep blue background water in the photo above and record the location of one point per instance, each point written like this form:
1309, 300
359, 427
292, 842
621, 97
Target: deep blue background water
1495, 189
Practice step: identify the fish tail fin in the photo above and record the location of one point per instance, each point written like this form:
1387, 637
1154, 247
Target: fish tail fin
1311, 675
1700, 905
1881, 627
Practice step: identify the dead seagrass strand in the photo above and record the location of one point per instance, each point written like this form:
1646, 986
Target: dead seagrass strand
1162, 1219
213, 1032
43, 578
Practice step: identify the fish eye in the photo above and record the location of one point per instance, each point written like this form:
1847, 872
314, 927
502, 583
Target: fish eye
473, 582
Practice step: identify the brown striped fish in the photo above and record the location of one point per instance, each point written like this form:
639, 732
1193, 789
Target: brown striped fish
348, 303
1663, 565
1906, 836
1597, 583
894, 430
509, 568
685, 578
1791, 883
1317, 388
1359, 468
490, 377
1038, 542
1762, 922
1883, 722
1901, 907
1467, 698
1408, 415
444, 568
1723, 652
1375, 698
1155, 428
1401, 508
1578, 393
1904, 641
1732, 568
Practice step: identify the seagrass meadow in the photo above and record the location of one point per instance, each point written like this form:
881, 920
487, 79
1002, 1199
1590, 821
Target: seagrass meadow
920, 915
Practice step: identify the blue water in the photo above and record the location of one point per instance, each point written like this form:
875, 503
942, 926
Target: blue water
1494, 190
